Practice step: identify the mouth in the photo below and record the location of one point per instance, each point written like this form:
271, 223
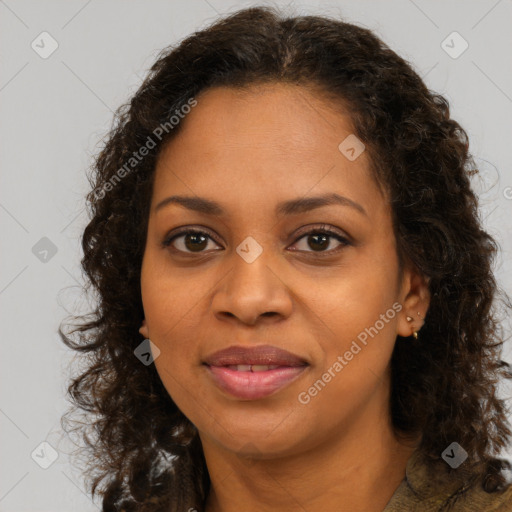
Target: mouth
254, 373
252, 382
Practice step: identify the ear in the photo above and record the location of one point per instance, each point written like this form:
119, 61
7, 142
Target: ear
144, 329
415, 300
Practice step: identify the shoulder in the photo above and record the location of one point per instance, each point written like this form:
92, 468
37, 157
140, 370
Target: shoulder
454, 491
477, 499
454, 499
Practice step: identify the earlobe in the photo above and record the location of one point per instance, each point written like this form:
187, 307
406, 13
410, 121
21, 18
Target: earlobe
415, 306
144, 329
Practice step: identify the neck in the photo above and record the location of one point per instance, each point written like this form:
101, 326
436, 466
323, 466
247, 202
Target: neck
358, 471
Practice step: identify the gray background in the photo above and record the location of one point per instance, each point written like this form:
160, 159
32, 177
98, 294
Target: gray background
54, 113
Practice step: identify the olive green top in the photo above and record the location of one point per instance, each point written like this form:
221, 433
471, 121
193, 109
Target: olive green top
449, 489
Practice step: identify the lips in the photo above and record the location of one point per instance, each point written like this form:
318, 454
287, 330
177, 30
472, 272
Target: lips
254, 373
262, 355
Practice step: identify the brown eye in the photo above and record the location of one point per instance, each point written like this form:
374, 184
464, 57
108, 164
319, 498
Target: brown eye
192, 241
319, 240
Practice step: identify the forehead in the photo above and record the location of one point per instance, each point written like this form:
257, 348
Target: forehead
266, 141
287, 116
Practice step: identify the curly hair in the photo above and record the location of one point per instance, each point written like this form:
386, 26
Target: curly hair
142, 452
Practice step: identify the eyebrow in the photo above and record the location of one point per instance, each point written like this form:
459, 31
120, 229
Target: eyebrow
285, 208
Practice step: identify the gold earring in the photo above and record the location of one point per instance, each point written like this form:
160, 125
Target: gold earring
409, 319
415, 333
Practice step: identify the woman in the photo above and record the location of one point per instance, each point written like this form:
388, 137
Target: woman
296, 301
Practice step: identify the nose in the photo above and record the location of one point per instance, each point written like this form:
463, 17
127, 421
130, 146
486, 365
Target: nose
252, 290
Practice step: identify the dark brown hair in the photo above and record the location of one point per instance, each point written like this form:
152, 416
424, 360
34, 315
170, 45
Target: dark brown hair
143, 453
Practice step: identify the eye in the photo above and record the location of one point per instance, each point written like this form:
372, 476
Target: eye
320, 238
196, 241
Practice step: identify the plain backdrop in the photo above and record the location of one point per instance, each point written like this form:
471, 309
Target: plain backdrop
55, 109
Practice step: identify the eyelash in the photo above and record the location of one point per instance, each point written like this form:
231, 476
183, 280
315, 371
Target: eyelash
320, 230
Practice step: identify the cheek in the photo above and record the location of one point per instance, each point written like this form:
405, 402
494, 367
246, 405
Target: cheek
353, 368
356, 317
352, 298
171, 309
168, 296
179, 366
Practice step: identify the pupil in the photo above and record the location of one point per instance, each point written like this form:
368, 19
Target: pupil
322, 243
195, 246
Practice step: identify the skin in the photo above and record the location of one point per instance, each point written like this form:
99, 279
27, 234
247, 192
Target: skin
249, 150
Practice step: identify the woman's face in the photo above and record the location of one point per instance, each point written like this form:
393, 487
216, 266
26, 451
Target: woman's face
254, 276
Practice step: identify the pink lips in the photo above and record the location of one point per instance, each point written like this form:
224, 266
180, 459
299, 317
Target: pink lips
243, 373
